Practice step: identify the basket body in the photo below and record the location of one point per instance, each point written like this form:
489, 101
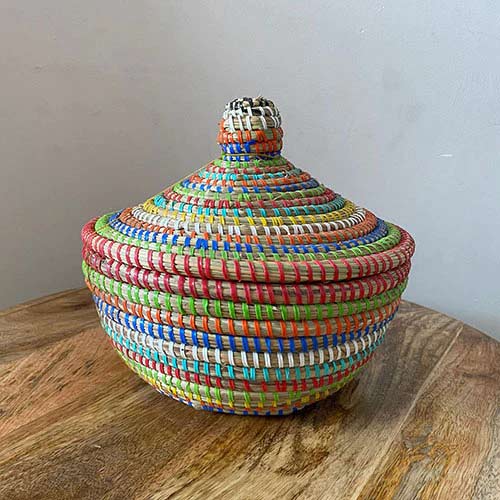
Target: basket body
248, 287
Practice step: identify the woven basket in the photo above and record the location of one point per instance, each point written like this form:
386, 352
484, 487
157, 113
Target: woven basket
247, 287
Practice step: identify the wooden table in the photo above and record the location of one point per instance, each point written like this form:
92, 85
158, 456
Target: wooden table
422, 422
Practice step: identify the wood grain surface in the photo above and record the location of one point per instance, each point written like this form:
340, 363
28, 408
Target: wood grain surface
422, 421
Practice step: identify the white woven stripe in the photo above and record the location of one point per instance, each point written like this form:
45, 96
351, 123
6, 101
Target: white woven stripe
240, 358
199, 228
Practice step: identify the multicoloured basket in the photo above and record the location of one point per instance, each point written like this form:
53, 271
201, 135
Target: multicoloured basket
248, 287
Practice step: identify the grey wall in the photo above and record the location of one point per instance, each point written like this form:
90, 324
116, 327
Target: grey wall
394, 103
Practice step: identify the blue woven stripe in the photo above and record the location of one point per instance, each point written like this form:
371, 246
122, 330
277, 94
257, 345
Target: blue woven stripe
228, 342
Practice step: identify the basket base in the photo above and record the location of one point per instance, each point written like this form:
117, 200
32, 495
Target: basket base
202, 400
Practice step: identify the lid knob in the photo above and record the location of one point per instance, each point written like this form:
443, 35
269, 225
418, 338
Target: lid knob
250, 129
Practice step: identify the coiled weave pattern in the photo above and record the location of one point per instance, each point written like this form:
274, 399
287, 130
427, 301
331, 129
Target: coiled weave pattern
248, 287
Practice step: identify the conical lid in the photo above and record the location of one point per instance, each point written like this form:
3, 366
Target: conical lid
249, 257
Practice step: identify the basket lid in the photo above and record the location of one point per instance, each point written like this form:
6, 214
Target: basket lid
251, 216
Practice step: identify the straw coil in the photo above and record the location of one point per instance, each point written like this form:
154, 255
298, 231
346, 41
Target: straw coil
248, 287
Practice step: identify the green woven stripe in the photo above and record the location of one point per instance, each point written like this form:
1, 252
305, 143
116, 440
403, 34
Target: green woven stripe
229, 309
273, 162
240, 196
387, 242
176, 207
